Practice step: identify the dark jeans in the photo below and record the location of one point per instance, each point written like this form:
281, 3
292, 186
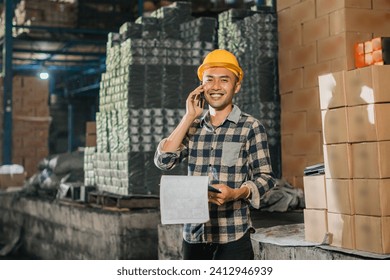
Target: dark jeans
236, 250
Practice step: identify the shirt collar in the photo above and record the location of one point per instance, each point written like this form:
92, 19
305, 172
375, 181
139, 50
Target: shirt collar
234, 116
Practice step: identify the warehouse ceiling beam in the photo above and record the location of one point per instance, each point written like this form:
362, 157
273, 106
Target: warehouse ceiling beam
57, 68
61, 51
73, 41
61, 30
92, 61
85, 89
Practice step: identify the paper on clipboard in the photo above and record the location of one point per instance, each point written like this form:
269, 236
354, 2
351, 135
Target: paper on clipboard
183, 199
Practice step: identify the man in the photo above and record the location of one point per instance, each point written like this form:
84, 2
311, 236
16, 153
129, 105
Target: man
231, 148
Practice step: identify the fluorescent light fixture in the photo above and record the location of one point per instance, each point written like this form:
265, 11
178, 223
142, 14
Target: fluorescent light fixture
44, 75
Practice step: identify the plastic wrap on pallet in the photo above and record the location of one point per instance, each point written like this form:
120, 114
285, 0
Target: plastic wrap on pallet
152, 174
123, 132
113, 135
258, 56
132, 52
147, 78
188, 81
170, 18
136, 86
102, 131
89, 166
136, 173
130, 30
170, 93
153, 83
151, 27
200, 29
185, 7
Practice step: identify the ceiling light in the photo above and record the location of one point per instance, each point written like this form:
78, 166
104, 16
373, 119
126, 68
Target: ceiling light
44, 75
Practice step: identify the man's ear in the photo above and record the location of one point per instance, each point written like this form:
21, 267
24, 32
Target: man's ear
237, 87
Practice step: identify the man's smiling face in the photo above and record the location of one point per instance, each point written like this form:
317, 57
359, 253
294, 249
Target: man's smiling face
220, 85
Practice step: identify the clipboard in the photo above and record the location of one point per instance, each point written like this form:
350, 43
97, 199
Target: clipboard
184, 199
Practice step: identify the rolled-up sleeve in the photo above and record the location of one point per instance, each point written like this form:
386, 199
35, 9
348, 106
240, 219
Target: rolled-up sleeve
262, 179
167, 160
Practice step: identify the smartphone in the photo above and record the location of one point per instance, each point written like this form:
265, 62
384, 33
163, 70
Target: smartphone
212, 189
202, 100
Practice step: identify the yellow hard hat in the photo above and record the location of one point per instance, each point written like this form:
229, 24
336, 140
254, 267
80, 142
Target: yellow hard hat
221, 58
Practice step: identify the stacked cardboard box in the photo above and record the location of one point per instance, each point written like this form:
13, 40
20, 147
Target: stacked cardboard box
31, 121
11, 176
90, 135
315, 38
355, 113
44, 13
315, 214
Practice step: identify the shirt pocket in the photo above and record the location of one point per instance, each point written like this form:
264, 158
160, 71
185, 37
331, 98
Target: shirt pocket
230, 153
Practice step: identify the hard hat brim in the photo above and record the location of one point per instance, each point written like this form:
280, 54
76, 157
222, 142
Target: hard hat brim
233, 68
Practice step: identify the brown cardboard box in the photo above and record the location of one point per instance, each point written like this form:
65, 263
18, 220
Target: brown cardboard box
341, 46
342, 230
91, 128
338, 161
371, 160
90, 136
293, 122
11, 180
293, 165
372, 197
335, 126
291, 81
369, 122
304, 99
339, 195
328, 6
311, 73
316, 225
303, 55
372, 234
359, 20
90, 140
368, 85
303, 11
306, 143
332, 90
315, 192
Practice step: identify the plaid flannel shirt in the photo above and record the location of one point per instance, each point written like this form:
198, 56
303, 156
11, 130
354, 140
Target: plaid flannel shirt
235, 153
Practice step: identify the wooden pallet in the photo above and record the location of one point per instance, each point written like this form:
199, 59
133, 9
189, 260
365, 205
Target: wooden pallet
109, 200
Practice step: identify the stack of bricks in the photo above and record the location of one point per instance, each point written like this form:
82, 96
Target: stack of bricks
30, 122
317, 37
